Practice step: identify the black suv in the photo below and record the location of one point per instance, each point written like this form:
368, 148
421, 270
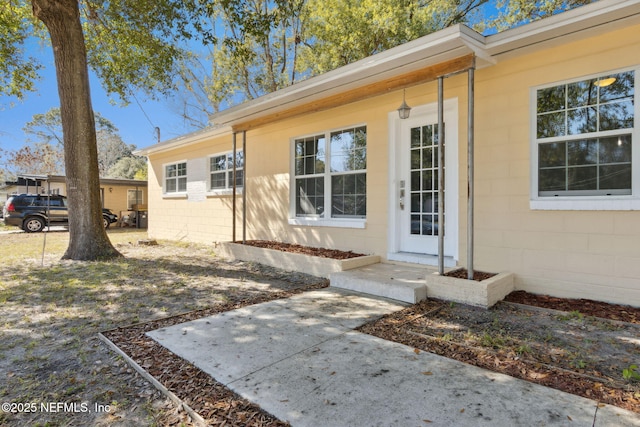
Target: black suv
32, 212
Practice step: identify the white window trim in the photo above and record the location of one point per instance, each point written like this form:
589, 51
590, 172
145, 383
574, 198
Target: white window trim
311, 221
333, 222
228, 191
173, 194
592, 203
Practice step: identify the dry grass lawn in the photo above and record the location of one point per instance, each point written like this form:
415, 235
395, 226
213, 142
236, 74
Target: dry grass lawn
54, 370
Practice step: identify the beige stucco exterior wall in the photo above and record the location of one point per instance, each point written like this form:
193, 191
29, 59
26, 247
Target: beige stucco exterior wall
587, 254
272, 147
183, 219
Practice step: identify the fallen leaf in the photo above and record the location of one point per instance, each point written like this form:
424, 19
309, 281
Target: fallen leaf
416, 351
569, 418
427, 373
461, 410
427, 421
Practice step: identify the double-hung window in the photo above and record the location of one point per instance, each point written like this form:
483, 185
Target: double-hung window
175, 178
330, 175
584, 134
221, 171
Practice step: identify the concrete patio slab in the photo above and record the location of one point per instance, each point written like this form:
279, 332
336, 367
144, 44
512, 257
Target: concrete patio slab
300, 360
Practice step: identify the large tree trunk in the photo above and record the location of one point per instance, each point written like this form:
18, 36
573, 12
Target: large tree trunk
87, 237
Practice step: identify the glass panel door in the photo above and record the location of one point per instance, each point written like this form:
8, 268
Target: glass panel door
424, 180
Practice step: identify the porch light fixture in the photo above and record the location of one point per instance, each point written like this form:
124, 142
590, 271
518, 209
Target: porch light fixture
604, 82
404, 109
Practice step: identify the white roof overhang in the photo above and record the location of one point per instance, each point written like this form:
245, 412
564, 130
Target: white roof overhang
405, 65
184, 140
432, 50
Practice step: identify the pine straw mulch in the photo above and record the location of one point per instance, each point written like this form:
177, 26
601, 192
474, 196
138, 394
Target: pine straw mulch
214, 402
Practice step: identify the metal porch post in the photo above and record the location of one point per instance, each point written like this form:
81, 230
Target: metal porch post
233, 192
470, 171
244, 186
441, 207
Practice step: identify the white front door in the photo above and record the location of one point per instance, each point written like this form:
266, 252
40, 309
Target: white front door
416, 202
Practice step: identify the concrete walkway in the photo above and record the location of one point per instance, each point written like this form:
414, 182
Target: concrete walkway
301, 360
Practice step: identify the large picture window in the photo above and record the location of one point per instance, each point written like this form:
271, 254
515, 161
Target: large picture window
330, 174
221, 171
175, 178
584, 137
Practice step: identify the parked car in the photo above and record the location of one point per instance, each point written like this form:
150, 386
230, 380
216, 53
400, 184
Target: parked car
33, 212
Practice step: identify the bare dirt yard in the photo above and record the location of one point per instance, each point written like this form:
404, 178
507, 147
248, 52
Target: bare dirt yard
55, 370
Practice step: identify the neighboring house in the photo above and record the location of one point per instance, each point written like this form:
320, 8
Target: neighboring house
119, 195
328, 162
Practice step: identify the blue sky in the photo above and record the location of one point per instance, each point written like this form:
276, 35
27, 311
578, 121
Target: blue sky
136, 122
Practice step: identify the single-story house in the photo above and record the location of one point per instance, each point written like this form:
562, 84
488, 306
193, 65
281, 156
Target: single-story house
119, 195
541, 163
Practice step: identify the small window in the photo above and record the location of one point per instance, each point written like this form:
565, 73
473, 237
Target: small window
584, 137
175, 178
134, 197
221, 171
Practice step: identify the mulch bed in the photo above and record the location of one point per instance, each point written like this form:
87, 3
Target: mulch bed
587, 307
461, 273
306, 250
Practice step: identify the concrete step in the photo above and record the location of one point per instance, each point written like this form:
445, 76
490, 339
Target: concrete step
396, 281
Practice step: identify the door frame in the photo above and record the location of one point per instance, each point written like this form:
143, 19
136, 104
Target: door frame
452, 136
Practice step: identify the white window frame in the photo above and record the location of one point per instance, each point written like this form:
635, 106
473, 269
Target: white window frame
176, 193
587, 202
228, 188
321, 221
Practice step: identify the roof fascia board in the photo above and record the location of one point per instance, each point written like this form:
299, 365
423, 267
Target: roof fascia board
184, 140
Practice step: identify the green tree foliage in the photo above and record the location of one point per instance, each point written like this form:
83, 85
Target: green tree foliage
518, 12
18, 72
136, 45
131, 167
340, 32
